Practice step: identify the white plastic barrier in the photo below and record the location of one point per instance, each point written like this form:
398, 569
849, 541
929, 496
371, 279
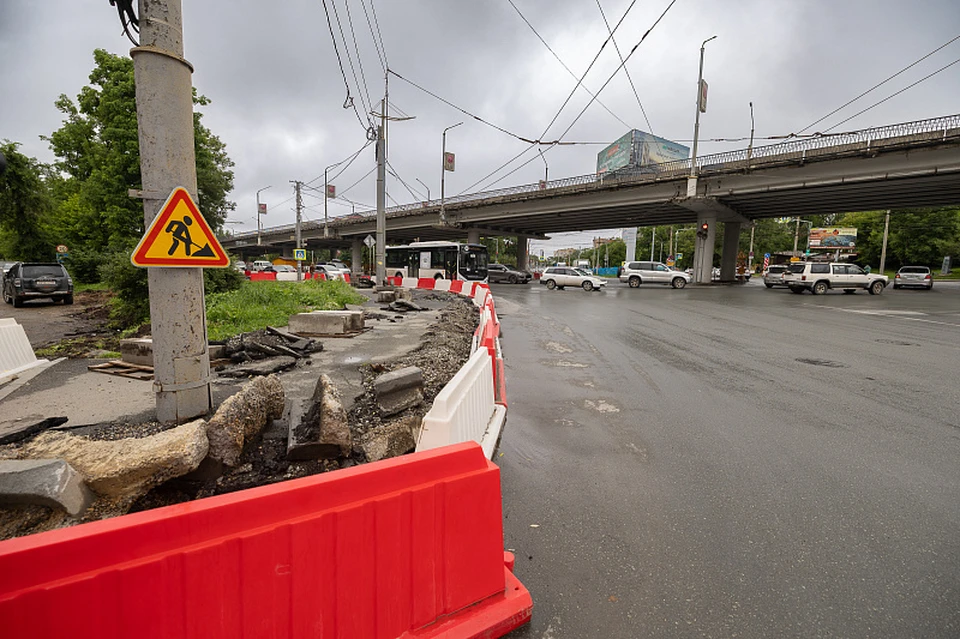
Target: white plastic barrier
465, 409
16, 354
442, 285
409, 282
286, 276
480, 295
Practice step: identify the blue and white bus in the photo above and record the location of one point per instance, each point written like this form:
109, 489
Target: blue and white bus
439, 260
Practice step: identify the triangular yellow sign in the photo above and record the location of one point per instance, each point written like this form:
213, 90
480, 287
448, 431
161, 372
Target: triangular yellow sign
179, 236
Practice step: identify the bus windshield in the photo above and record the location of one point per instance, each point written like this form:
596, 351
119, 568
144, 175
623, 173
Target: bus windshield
438, 260
473, 262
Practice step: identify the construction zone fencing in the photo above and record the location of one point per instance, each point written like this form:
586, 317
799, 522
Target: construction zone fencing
407, 547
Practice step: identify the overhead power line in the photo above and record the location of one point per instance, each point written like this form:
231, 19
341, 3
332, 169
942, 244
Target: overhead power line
566, 68
880, 84
377, 41
348, 101
625, 71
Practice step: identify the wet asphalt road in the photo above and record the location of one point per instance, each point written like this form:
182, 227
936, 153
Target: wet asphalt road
732, 461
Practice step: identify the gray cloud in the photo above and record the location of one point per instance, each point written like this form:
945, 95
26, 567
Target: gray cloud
277, 92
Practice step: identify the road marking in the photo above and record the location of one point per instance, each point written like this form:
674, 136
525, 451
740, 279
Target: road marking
905, 315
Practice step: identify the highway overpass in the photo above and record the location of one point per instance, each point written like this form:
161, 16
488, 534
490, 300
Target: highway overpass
913, 164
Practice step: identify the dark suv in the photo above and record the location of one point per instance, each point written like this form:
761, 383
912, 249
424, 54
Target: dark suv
36, 280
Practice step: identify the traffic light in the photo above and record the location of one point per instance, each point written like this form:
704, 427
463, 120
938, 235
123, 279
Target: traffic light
702, 231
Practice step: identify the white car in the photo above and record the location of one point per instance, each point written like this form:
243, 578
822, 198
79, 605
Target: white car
562, 276
637, 273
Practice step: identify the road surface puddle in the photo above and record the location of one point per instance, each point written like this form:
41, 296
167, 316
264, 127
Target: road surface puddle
600, 406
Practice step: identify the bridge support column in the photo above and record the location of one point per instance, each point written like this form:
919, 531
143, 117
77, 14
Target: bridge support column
731, 244
356, 259
523, 251
473, 236
703, 253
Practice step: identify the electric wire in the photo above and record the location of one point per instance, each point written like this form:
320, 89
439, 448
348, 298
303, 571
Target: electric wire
625, 70
889, 97
348, 101
362, 88
381, 55
376, 23
128, 19
349, 159
356, 46
622, 64
394, 173
566, 68
877, 86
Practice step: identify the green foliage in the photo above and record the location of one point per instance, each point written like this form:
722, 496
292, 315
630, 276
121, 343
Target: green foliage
260, 304
84, 265
916, 237
24, 208
221, 280
99, 155
131, 300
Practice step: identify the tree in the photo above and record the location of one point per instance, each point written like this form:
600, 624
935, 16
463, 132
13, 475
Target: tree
25, 206
99, 156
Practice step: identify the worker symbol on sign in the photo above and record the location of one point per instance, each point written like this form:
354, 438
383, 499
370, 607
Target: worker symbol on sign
180, 230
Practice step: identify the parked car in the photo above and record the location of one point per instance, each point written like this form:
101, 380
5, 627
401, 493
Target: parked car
637, 273
284, 268
563, 276
915, 276
37, 280
240, 265
501, 273
819, 277
773, 276
329, 271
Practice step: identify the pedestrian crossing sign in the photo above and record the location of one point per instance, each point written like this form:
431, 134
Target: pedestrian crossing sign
179, 236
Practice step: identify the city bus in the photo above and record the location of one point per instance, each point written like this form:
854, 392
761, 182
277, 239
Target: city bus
439, 260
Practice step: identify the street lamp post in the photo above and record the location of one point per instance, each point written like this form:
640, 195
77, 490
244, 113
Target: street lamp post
546, 168
258, 213
750, 146
424, 186
696, 126
443, 171
796, 234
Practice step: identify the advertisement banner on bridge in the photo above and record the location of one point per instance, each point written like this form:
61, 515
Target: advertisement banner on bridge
833, 238
639, 149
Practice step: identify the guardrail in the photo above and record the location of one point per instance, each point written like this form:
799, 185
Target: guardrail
815, 146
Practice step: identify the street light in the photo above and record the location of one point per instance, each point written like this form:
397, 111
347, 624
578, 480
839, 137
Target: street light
546, 168
424, 186
700, 105
443, 171
796, 233
750, 146
258, 213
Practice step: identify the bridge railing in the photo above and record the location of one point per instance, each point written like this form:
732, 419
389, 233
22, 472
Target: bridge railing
788, 151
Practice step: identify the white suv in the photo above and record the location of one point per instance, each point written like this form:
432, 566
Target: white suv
818, 277
637, 273
561, 276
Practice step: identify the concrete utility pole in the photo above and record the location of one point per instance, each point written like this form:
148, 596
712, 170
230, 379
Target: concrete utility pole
883, 251
750, 146
796, 237
381, 196
181, 360
298, 239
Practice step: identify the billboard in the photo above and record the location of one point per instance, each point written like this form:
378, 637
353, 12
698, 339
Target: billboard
639, 149
833, 238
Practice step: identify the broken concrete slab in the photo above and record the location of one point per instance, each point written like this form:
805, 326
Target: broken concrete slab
390, 440
43, 482
29, 430
321, 430
126, 467
326, 322
402, 306
398, 390
243, 415
261, 368
386, 297
137, 350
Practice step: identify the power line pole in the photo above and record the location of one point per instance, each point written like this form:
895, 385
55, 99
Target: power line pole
381, 195
883, 251
298, 237
181, 360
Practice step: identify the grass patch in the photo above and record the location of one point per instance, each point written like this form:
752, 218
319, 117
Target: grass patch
81, 288
260, 304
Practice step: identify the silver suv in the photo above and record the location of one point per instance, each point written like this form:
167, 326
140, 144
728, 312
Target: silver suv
818, 277
561, 276
637, 273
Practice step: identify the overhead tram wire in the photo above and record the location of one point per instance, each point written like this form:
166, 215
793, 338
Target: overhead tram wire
889, 97
566, 68
394, 173
376, 23
877, 86
351, 158
348, 101
381, 54
353, 34
622, 64
362, 86
625, 70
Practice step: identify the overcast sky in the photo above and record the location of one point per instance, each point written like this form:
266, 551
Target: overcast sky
277, 92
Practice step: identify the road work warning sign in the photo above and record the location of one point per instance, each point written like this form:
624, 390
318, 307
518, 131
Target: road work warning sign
179, 236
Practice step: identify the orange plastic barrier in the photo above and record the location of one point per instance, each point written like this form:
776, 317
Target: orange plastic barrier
411, 546
346, 278
258, 276
456, 286
426, 282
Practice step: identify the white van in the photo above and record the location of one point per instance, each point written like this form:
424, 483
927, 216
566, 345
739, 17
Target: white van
261, 265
